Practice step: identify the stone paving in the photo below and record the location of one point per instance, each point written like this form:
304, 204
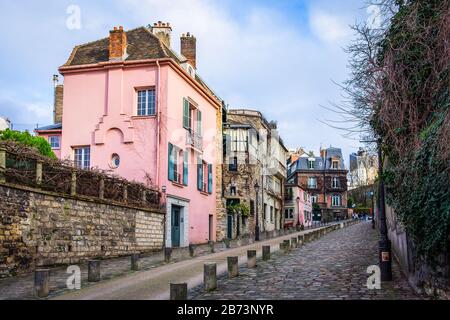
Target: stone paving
21, 287
333, 268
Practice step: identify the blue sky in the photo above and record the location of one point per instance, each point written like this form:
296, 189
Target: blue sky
279, 57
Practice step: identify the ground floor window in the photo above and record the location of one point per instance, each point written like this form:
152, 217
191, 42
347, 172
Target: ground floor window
289, 213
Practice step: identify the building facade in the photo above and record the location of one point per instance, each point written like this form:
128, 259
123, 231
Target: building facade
363, 169
253, 155
4, 123
136, 108
325, 179
297, 206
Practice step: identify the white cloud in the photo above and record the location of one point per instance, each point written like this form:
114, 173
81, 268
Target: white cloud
329, 27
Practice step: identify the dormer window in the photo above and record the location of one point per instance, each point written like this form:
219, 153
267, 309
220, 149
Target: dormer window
335, 164
311, 163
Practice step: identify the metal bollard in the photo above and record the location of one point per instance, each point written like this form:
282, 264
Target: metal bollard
251, 258
294, 242
233, 267
210, 276
167, 254
287, 245
191, 250
135, 261
41, 282
94, 270
266, 253
178, 291
211, 246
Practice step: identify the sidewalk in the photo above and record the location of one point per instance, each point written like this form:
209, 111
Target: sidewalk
154, 284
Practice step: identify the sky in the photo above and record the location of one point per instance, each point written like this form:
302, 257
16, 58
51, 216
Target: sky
280, 57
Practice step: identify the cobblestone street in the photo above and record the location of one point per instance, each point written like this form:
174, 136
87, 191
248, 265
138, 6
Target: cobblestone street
333, 267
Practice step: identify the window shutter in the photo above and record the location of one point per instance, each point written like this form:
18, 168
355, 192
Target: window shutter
199, 122
185, 167
199, 174
171, 163
186, 121
210, 179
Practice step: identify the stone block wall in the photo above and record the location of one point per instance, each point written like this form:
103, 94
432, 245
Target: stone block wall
40, 228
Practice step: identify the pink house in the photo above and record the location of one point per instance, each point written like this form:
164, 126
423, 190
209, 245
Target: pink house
297, 207
134, 107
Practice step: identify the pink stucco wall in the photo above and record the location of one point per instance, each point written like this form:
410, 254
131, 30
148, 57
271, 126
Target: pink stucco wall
99, 111
301, 206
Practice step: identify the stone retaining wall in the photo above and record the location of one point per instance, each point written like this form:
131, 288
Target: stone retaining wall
40, 228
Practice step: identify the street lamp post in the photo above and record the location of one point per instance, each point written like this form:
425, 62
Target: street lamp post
384, 245
257, 214
385, 256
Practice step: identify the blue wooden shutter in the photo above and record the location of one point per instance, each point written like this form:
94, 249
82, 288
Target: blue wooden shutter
186, 122
185, 167
199, 174
210, 179
171, 163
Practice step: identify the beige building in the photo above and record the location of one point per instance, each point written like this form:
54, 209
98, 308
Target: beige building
253, 153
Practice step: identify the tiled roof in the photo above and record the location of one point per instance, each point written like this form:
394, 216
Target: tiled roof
319, 162
57, 126
141, 44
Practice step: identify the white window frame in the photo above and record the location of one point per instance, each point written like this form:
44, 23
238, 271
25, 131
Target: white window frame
51, 142
310, 185
85, 154
311, 162
336, 200
332, 164
335, 182
144, 108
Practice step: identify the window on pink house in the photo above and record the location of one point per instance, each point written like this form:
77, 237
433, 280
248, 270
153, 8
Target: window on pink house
146, 105
55, 142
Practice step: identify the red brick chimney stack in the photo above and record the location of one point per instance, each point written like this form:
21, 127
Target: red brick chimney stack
189, 48
117, 44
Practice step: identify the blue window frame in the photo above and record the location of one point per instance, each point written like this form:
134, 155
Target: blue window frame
146, 105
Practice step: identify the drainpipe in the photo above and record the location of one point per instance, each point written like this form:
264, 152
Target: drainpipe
158, 120
158, 137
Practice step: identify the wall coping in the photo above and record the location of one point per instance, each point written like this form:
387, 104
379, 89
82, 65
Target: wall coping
82, 198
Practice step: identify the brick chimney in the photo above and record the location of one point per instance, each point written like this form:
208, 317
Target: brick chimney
58, 104
58, 93
189, 48
117, 44
162, 31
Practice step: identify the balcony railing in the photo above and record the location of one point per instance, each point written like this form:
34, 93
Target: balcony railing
194, 139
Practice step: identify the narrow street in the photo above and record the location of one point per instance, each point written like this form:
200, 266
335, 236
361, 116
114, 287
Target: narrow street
154, 283
333, 267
